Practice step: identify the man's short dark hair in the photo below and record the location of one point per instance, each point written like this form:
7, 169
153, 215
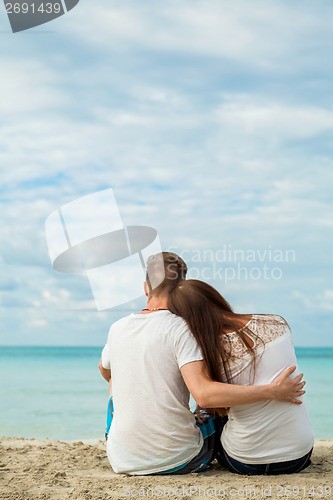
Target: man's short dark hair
164, 271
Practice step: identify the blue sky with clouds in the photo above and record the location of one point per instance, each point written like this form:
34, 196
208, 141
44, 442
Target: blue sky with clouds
211, 120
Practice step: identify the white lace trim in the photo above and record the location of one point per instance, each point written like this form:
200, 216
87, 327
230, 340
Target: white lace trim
266, 327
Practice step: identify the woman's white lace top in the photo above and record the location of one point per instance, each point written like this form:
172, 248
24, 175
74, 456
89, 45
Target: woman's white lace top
269, 431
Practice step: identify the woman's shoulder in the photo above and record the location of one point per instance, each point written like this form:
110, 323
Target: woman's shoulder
270, 326
257, 321
270, 318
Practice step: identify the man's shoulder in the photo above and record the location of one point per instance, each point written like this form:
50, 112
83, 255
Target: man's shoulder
121, 322
177, 328
166, 321
173, 321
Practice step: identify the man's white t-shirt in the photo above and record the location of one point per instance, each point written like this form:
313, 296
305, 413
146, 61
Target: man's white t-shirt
153, 429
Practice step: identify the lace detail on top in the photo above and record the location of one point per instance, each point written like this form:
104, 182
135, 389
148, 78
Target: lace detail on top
266, 327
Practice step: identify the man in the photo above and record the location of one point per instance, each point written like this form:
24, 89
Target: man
155, 364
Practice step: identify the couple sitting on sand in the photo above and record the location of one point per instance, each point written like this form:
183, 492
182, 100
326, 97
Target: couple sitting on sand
188, 340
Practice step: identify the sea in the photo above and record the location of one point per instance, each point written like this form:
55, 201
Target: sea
58, 392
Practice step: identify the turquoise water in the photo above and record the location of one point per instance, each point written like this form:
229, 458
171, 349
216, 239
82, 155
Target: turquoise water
317, 366
58, 392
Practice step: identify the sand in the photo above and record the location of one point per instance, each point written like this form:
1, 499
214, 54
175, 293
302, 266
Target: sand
36, 469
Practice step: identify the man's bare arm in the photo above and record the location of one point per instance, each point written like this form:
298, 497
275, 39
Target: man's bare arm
210, 394
104, 371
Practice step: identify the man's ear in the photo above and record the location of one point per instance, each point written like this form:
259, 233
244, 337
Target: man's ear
145, 287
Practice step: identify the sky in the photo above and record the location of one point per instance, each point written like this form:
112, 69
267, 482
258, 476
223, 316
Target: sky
211, 121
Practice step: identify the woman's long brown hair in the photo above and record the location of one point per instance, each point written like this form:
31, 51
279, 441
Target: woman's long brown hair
209, 317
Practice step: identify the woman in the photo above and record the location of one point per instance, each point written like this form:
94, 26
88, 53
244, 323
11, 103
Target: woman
269, 437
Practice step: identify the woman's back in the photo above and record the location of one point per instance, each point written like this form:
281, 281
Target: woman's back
270, 431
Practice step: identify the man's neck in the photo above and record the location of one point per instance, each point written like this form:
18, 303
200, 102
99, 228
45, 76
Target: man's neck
156, 303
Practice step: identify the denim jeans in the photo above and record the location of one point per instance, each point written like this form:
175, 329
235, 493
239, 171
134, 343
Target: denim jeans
288, 467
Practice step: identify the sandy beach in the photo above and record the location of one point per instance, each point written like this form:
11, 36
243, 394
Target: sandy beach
36, 469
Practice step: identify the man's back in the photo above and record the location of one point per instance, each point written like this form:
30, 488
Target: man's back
152, 429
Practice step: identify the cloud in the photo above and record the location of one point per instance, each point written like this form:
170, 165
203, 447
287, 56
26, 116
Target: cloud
260, 35
322, 301
273, 122
211, 120
28, 86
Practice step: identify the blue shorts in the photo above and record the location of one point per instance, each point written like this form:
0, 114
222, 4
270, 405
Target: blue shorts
201, 462
109, 417
210, 430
